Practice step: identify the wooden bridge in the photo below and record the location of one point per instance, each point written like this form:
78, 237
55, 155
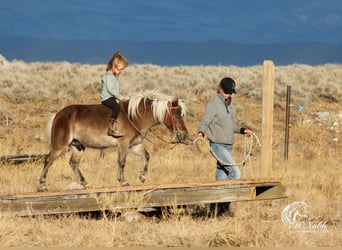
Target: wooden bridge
141, 198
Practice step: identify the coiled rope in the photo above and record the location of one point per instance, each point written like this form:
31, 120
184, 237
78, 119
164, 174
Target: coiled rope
247, 149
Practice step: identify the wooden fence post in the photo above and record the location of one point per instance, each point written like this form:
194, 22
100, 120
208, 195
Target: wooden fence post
267, 119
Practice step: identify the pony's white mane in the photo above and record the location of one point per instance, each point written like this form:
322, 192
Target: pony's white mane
159, 104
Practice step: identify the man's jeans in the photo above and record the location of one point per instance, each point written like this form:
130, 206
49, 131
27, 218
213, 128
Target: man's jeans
223, 152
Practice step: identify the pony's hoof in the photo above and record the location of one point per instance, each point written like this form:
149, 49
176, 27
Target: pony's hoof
125, 184
142, 178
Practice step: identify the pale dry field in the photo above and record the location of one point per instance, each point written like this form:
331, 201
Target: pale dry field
31, 93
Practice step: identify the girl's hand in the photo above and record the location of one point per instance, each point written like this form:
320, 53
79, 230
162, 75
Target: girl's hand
123, 98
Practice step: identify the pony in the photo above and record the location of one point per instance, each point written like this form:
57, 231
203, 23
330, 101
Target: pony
78, 126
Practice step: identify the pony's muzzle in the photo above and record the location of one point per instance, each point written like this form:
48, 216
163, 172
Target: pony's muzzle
180, 137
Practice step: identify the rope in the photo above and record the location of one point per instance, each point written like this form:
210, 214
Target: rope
147, 132
248, 145
173, 145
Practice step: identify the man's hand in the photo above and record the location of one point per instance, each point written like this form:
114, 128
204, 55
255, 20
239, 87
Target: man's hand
248, 132
200, 136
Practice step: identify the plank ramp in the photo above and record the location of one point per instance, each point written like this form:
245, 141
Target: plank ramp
141, 198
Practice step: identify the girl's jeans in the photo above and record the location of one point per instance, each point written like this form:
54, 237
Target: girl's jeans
223, 152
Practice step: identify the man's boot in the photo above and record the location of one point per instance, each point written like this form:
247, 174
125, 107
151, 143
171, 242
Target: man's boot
112, 128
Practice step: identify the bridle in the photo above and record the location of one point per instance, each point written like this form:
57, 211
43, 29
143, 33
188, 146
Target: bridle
168, 115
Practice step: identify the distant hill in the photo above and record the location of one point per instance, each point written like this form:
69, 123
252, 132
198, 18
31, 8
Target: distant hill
168, 53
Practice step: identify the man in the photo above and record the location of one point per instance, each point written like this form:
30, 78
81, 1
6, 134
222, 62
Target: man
218, 122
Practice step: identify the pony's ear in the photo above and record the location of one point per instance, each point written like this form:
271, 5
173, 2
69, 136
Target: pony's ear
180, 103
174, 103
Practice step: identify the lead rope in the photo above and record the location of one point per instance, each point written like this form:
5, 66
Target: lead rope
247, 149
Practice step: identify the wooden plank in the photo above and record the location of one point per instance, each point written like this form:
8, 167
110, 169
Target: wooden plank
69, 204
267, 119
275, 192
197, 196
21, 158
122, 200
138, 197
231, 183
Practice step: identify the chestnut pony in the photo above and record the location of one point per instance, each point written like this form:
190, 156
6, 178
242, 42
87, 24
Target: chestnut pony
80, 126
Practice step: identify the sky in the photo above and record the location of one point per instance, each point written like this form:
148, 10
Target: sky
240, 21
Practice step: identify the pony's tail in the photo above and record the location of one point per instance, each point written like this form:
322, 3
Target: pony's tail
48, 129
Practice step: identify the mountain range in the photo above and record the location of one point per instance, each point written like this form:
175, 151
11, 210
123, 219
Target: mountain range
213, 52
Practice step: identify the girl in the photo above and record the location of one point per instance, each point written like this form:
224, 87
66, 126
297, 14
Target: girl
110, 90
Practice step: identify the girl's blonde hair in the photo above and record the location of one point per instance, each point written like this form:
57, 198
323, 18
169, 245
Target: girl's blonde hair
116, 59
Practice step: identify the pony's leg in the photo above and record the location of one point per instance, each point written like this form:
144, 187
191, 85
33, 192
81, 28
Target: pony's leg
140, 150
49, 159
74, 162
122, 154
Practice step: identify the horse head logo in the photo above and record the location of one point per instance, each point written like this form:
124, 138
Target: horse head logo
294, 212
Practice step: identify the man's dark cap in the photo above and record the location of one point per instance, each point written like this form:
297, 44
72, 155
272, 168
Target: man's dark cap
228, 85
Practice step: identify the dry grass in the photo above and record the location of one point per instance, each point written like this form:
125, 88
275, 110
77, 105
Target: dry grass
31, 93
